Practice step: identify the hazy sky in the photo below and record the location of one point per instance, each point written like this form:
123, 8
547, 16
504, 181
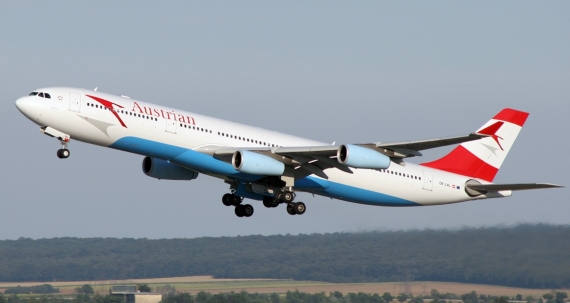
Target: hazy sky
348, 72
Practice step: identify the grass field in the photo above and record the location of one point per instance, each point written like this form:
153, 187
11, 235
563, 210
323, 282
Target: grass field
196, 284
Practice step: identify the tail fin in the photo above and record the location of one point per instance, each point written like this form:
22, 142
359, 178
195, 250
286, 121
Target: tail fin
483, 158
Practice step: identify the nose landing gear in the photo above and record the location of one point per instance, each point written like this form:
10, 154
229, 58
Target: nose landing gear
63, 152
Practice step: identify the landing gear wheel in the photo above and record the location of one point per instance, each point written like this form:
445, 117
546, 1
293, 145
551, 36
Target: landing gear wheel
287, 197
63, 153
290, 209
227, 200
268, 201
299, 208
239, 211
274, 203
247, 210
236, 200
278, 197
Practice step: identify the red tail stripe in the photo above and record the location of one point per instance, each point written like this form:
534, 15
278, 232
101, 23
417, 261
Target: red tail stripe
512, 115
463, 162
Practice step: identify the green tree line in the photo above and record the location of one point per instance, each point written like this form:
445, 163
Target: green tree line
292, 297
535, 256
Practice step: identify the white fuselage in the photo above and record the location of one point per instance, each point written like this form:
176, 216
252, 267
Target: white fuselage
162, 132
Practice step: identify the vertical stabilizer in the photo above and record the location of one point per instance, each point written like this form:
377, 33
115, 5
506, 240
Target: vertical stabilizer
483, 158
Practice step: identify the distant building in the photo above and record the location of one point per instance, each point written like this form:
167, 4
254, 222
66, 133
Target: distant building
130, 294
123, 288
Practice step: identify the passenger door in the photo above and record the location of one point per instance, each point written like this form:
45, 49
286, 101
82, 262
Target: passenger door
74, 102
171, 126
428, 181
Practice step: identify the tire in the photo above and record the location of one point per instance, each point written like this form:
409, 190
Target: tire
227, 200
59, 153
279, 197
236, 200
290, 210
268, 202
299, 208
65, 153
239, 211
287, 197
247, 210
274, 203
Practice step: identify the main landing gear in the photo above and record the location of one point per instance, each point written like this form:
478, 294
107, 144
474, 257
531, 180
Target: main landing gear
246, 210
287, 197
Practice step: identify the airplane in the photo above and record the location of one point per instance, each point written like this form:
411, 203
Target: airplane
272, 167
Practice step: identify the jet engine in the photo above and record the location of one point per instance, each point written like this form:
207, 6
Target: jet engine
256, 164
162, 169
361, 157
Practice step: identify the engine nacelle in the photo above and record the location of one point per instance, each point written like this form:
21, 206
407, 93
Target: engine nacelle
256, 164
361, 157
162, 169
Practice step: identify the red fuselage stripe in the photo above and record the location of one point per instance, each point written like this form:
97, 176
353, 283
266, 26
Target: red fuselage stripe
109, 105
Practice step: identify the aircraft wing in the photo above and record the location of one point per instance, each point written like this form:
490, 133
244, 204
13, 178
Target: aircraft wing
308, 160
412, 148
514, 186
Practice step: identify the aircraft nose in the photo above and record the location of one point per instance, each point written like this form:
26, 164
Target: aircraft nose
20, 104
26, 107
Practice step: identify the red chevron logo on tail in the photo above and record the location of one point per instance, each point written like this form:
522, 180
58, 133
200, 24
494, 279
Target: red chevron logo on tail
491, 130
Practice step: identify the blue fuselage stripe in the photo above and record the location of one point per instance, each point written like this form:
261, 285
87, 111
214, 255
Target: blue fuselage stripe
208, 165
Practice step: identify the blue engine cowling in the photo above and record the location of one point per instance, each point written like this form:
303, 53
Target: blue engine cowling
162, 169
362, 157
256, 164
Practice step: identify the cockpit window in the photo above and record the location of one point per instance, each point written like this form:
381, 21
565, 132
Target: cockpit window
40, 94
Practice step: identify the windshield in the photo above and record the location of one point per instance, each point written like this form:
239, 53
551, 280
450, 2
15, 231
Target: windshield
40, 94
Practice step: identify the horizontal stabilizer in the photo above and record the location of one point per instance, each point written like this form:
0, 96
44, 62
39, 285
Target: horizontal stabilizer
514, 186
